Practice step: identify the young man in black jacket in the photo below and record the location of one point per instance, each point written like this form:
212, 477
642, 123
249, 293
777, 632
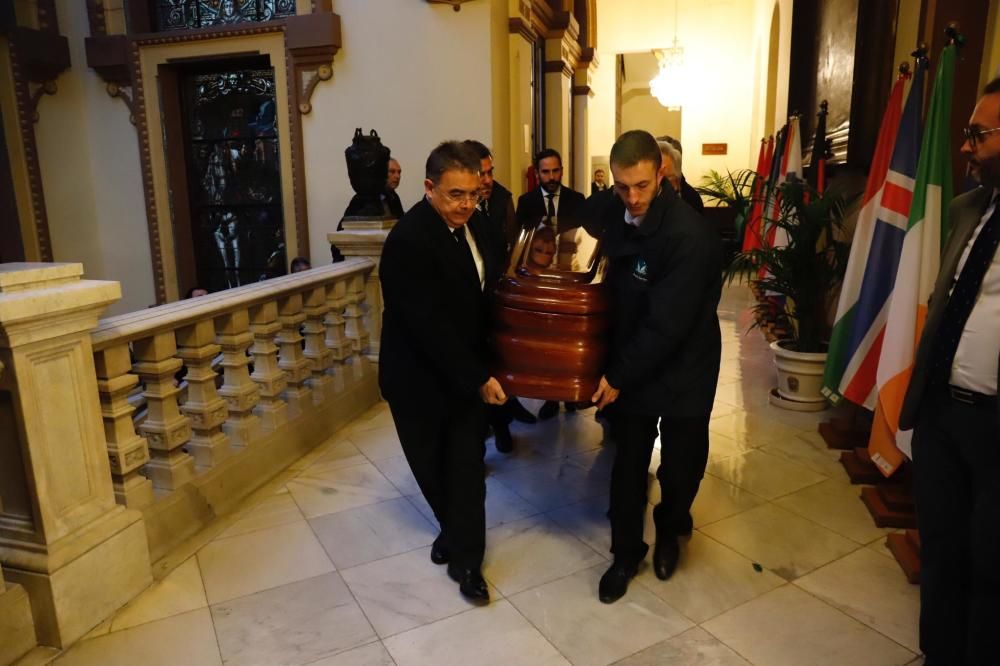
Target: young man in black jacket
433, 362
665, 282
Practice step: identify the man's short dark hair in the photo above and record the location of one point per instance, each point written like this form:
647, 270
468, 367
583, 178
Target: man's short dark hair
479, 148
448, 156
992, 87
635, 146
299, 263
545, 154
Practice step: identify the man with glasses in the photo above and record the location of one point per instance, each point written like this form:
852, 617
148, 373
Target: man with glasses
496, 205
433, 358
952, 406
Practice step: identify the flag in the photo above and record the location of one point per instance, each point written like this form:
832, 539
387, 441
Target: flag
817, 163
791, 169
856, 340
752, 232
919, 262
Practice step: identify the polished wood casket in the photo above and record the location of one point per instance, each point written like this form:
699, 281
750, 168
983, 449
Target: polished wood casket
551, 316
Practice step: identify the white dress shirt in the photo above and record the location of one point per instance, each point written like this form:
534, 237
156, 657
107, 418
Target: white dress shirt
476, 257
975, 365
555, 200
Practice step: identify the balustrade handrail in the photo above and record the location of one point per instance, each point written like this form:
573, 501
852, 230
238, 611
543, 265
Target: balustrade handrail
171, 316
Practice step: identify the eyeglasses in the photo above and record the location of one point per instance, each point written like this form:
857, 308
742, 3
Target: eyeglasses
974, 135
457, 197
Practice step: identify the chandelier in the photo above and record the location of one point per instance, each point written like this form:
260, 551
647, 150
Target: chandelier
668, 83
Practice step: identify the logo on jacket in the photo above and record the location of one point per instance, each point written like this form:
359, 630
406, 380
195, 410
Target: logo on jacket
641, 270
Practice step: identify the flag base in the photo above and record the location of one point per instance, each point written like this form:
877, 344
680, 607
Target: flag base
778, 400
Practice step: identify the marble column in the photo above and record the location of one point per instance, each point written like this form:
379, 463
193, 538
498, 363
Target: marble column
77, 553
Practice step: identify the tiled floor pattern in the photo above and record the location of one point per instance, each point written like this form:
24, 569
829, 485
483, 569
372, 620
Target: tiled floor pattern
785, 566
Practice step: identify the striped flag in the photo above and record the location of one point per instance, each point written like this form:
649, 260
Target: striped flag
919, 262
859, 327
791, 169
752, 232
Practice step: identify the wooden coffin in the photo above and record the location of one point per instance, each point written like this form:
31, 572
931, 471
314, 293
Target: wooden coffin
551, 317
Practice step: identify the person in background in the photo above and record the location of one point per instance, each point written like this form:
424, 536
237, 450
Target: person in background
390, 199
599, 184
672, 159
300, 264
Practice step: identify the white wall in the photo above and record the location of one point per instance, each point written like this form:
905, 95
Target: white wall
417, 73
724, 43
89, 157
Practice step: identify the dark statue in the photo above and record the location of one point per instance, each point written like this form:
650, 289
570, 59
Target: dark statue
367, 166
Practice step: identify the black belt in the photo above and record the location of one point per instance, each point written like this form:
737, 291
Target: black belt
968, 397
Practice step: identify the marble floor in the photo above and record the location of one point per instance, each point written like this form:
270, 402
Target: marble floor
329, 565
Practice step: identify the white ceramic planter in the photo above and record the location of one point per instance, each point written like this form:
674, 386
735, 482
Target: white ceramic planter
800, 376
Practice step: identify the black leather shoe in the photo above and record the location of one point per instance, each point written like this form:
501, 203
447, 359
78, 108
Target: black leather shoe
548, 410
665, 556
519, 412
470, 583
614, 582
439, 551
502, 439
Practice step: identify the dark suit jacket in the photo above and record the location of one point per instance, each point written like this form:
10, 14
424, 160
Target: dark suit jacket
964, 213
691, 196
434, 326
665, 285
531, 208
501, 217
393, 204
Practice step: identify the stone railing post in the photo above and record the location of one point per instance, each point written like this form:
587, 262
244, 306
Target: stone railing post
127, 452
320, 358
336, 338
165, 427
367, 244
268, 376
239, 391
355, 328
77, 553
291, 360
196, 346
17, 629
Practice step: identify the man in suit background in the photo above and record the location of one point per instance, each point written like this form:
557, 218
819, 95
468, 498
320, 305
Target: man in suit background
952, 406
554, 205
665, 349
496, 206
390, 199
670, 148
599, 184
433, 371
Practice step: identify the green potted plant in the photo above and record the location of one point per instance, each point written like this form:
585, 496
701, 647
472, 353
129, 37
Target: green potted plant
800, 277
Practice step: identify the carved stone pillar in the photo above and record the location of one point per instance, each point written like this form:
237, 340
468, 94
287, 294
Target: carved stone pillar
291, 360
17, 630
77, 553
366, 244
165, 427
320, 358
268, 376
127, 452
355, 330
196, 346
336, 339
239, 391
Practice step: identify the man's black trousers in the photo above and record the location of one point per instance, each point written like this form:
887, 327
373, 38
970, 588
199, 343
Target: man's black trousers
444, 448
956, 456
683, 455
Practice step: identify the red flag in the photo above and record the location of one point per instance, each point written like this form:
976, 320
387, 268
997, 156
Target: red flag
751, 233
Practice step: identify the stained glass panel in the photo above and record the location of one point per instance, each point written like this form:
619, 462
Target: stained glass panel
187, 14
234, 176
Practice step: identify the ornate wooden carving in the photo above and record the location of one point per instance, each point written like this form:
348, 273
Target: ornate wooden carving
311, 41
36, 60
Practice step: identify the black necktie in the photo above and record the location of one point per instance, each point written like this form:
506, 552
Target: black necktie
551, 207
963, 297
465, 251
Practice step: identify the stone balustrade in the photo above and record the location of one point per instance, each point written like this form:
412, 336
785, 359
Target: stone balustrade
237, 385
